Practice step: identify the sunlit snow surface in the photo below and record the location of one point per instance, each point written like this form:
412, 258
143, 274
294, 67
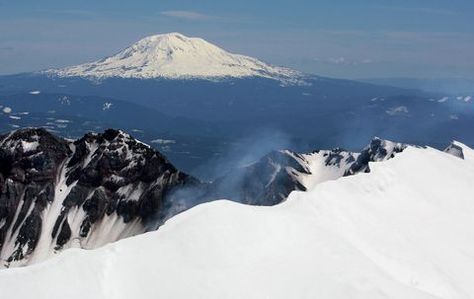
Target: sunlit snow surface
404, 230
176, 56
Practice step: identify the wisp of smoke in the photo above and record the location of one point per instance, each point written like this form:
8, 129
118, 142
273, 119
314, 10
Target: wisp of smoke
238, 155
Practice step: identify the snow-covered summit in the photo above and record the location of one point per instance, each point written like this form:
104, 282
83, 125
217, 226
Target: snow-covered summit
175, 56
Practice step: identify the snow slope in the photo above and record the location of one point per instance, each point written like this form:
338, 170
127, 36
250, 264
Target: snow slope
404, 230
175, 56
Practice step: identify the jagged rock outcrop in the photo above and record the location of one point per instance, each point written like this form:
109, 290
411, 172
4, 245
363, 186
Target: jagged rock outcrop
267, 181
271, 179
57, 193
378, 150
455, 149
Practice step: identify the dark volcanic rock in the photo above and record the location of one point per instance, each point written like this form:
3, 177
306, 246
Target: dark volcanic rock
94, 190
266, 182
455, 149
377, 150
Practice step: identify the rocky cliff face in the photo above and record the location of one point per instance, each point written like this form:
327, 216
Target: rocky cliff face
455, 149
271, 179
57, 193
378, 150
267, 181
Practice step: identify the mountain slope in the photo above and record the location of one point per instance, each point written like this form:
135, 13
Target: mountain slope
404, 230
86, 193
58, 194
175, 56
271, 179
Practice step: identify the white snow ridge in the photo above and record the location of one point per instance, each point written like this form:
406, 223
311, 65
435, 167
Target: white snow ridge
175, 56
404, 230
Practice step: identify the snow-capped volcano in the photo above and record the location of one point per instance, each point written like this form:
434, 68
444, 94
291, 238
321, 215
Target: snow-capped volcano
175, 56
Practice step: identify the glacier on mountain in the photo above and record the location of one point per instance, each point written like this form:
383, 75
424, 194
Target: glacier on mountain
175, 56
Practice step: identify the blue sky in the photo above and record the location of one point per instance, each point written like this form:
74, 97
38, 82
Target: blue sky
347, 39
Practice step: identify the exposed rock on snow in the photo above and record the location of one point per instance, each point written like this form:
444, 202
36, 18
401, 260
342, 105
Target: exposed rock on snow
267, 182
455, 149
58, 194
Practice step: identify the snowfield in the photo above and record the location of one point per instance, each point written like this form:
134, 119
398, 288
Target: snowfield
404, 230
175, 56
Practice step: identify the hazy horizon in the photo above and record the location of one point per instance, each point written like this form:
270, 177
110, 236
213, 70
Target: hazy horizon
367, 39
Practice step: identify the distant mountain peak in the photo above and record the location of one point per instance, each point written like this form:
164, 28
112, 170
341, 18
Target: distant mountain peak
176, 56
